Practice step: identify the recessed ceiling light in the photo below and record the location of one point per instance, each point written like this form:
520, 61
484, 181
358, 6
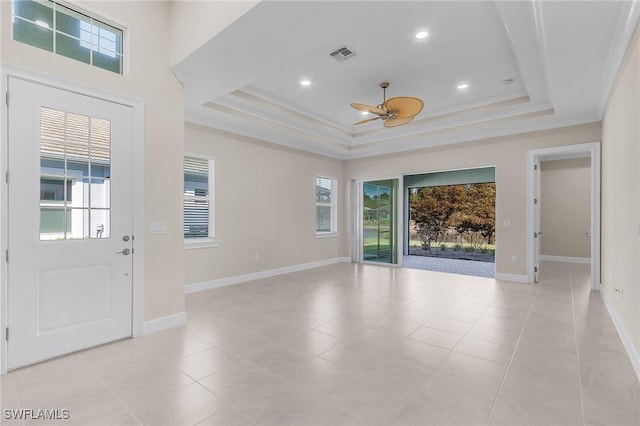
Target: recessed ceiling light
364, 112
462, 86
421, 35
507, 82
305, 83
42, 24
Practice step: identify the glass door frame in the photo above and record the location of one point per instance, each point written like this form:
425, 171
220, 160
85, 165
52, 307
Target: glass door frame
357, 242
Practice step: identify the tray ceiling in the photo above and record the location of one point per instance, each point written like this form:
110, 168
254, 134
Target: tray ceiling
527, 66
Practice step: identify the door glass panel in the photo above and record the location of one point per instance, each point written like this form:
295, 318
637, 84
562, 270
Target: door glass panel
52, 223
100, 193
52, 191
75, 176
100, 223
78, 229
379, 221
52, 166
77, 129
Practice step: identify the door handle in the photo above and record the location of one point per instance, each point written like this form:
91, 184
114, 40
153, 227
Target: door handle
125, 251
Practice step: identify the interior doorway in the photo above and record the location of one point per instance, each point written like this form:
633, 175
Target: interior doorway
536, 204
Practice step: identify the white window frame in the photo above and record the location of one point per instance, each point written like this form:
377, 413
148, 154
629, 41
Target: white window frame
209, 241
333, 204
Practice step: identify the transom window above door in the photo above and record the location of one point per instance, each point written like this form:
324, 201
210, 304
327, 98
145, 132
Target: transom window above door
68, 32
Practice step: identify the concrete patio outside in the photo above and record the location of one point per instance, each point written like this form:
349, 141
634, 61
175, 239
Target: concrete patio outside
453, 266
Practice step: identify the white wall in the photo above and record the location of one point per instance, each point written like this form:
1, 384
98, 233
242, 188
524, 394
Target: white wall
508, 155
565, 202
621, 196
193, 23
149, 80
265, 207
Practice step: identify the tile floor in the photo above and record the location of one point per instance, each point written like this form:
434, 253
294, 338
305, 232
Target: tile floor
357, 345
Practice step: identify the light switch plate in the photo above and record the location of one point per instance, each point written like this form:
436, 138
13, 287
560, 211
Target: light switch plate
156, 228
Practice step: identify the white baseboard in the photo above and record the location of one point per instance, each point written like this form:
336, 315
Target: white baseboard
221, 282
162, 323
512, 277
634, 356
565, 259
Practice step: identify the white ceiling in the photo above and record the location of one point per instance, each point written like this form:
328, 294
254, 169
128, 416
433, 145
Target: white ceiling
562, 57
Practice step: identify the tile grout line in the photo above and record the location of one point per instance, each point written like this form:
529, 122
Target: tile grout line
270, 373
450, 350
15, 395
226, 405
575, 337
97, 373
515, 349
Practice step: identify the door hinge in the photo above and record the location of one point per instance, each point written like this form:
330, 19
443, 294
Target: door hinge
6, 97
6, 333
6, 255
7, 176
535, 269
535, 167
535, 201
535, 235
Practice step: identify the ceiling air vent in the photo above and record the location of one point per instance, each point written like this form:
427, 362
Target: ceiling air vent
342, 54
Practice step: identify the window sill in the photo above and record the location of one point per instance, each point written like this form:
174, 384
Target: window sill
200, 243
327, 235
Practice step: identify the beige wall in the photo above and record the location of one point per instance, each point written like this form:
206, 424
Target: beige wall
193, 23
566, 207
620, 194
508, 154
147, 79
265, 206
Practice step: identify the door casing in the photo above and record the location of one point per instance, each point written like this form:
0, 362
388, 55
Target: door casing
7, 72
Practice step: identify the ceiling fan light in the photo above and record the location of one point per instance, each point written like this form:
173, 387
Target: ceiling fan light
420, 35
305, 83
463, 86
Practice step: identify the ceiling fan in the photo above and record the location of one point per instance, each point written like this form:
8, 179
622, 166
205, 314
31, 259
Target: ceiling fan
394, 111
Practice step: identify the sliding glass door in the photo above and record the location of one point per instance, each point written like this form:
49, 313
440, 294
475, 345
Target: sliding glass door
379, 221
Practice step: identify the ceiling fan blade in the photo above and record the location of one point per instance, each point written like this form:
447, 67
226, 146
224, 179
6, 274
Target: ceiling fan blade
394, 122
404, 106
366, 121
369, 108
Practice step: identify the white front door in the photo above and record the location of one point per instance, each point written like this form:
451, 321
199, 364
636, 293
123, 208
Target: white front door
70, 222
